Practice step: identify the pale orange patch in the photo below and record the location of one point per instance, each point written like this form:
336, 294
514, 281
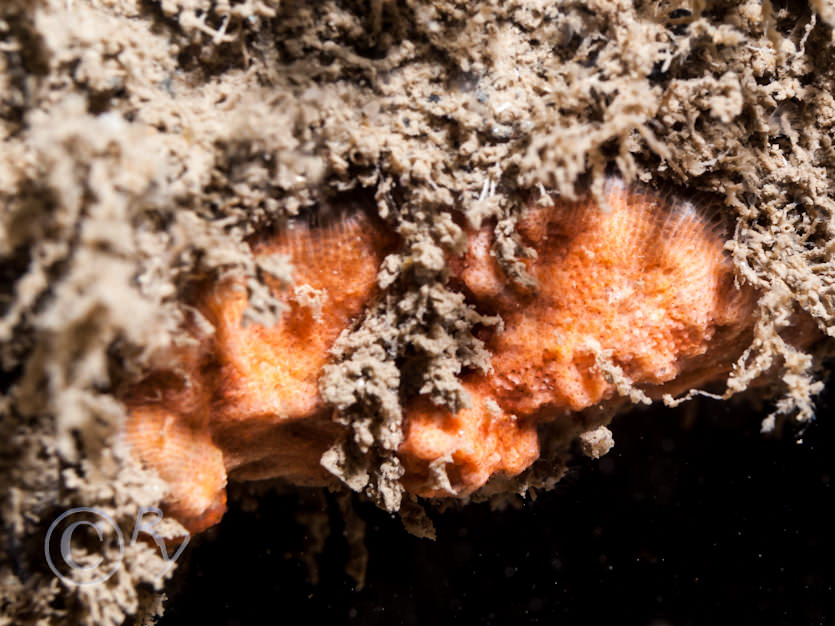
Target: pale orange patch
471, 445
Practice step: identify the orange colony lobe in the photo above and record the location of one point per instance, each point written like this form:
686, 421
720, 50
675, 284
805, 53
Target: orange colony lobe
268, 376
642, 289
251, 405
167, 430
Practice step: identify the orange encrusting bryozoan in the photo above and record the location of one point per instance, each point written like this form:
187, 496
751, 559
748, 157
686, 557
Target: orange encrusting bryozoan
644, 284
640, 293
250, 403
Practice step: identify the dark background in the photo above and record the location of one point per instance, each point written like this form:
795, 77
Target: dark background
693, 518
